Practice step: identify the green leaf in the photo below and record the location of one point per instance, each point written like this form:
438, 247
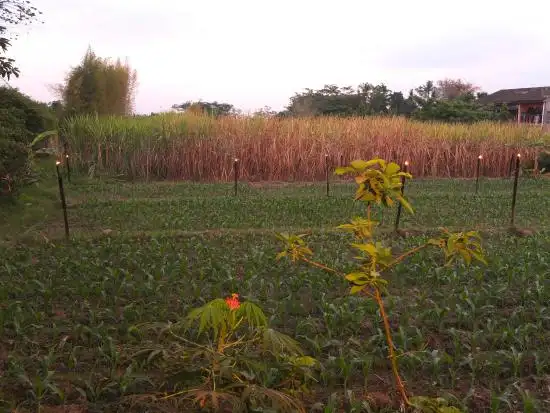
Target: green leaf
41, 136
252, 314
368, 248
278, 343
358, 278
357, 288
392, 168
342, 170
359, 164
303, 361
405, 203
210, 316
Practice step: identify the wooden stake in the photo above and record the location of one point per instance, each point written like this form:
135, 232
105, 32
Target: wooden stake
62, 196
68, 165
479, 158
399, 206
236, 174
515, 191
327, 164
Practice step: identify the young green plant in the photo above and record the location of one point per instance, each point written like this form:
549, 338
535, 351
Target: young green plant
379, 183
237, 339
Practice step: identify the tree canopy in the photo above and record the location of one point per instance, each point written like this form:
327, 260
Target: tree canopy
12, 14
210, 108
99, 86
451, 100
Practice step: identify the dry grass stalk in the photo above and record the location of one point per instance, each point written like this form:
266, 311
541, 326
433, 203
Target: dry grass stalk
192, 147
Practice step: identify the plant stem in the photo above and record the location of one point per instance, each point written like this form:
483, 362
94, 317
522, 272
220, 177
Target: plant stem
391, 353
407, 254
321, 266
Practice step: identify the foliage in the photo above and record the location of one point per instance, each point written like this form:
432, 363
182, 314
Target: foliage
544, 161
447, 100
461, 110
379, 182
98, 87
449, 89
237, 338
190, 147
206, 108
13, 13
14, 158
481, 332
22, 118
366, 99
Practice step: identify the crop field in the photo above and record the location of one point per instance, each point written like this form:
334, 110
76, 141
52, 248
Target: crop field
82, 322
202, 148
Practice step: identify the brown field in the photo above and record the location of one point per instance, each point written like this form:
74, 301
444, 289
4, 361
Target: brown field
202, 148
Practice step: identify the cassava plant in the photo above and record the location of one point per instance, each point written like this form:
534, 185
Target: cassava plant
232, 355
380, 183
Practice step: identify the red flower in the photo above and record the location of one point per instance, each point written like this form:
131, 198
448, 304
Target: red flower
233, 301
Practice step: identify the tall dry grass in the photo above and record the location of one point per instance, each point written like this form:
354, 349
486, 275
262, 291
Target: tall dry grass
185, 146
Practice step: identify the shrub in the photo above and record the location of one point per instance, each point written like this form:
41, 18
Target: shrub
14, 164
22, 118
544, 161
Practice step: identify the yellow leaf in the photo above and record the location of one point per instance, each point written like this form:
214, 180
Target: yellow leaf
357, 288
358, 278
368, 248
360, 164
392, 169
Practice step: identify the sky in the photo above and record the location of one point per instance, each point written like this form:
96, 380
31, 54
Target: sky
256, 53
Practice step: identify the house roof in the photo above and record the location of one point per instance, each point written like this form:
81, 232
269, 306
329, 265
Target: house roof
527, 94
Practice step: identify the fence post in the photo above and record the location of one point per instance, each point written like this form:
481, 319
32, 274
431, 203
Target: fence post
327, 166
479, 158
62, 196
515, 190
236, 174
399, 206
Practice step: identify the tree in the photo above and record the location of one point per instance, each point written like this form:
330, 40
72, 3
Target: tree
12, 13
98, 86
398, 105
265, 112
454, 88
461, 110
425, 95
22, 118
209, 108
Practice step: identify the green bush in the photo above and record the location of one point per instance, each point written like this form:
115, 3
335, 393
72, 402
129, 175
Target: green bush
22, 118
14, 165
544, 161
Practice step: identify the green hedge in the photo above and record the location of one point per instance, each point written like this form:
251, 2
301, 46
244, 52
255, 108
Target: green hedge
14, 165
22, 118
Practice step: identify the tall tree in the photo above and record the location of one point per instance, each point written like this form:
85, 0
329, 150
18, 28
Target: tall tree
398, 105
98, 86
454, 88
12, 14
210, 108
425, 95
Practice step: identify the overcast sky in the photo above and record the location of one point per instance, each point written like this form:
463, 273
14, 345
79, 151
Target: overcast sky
253, 53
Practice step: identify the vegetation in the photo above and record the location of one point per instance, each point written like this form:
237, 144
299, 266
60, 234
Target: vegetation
99, 87
112, 322
449, 100
196, 147
381, 183
206, 108
12, 14
21, 119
